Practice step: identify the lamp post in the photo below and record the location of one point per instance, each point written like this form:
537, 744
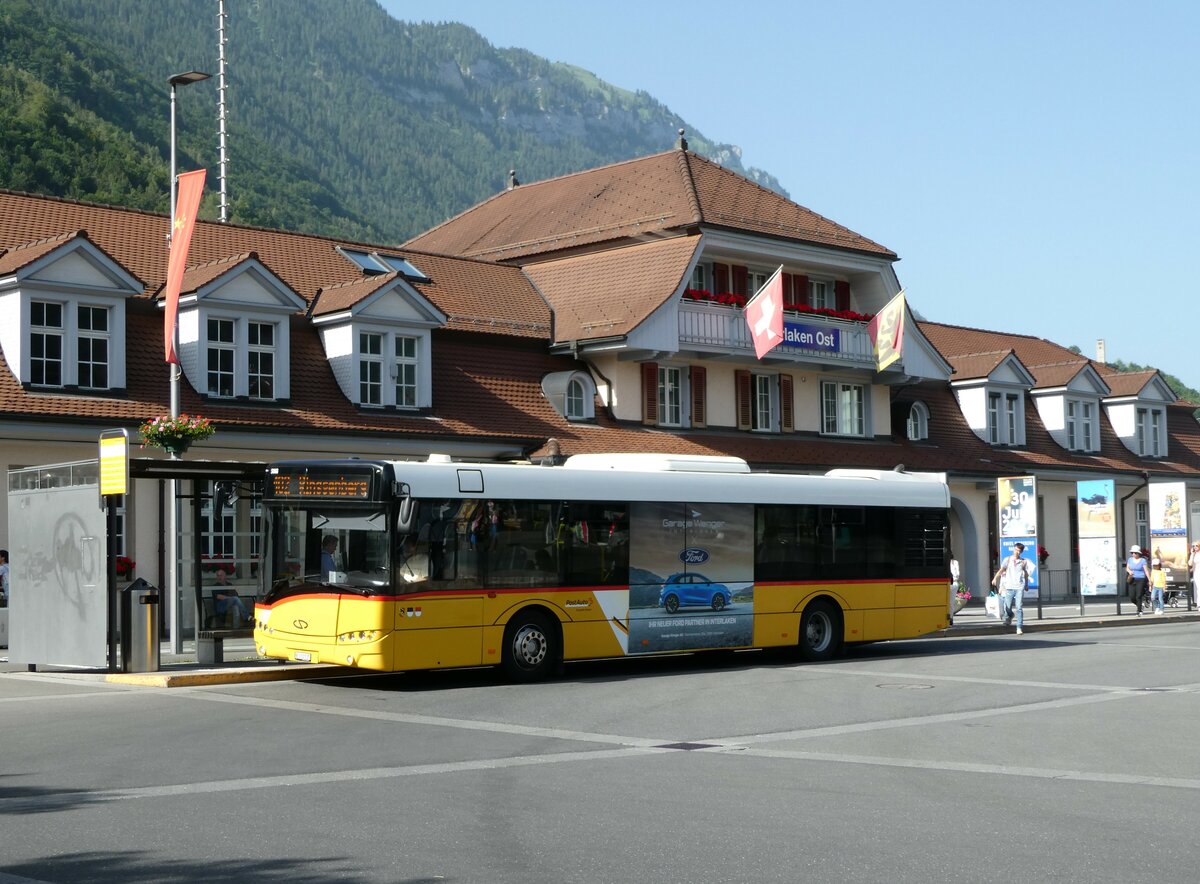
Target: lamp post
172, 484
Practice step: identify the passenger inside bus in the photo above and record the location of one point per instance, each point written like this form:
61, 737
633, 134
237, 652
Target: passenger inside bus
411, 564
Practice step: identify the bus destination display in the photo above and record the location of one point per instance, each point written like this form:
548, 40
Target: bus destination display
321, 486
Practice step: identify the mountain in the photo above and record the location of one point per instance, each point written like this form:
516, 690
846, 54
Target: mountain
341, 119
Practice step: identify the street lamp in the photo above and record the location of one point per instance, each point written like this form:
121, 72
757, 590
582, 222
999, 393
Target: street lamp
173, 484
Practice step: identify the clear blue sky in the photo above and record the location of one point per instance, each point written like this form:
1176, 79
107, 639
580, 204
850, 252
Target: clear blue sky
1034, 164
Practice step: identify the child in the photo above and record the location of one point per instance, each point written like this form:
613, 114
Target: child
1158, 582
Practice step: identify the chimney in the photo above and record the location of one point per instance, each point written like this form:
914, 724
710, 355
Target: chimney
512, 179
682, 142
1100, 355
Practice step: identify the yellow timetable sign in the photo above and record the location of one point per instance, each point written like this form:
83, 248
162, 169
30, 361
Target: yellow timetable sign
114, 462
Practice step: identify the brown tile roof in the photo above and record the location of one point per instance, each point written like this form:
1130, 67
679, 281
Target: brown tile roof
976, 365
660, 195
345, 295
1057, 374
609, 293
474, 294
1126, 383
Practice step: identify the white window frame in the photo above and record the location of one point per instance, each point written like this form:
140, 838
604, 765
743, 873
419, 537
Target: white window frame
755, 280
699, 277
670, 396
843, 409
46, 334
1081, 424
259, 352
1150, 431
574, 403
764, 403
917, 427
370, 368
223, 350
405, 369
1141, 517
1005, 417
94, 338
821, 294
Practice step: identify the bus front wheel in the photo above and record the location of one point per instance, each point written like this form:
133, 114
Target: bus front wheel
820, 631
530, 647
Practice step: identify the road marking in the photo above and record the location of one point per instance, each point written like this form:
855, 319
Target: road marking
27, 804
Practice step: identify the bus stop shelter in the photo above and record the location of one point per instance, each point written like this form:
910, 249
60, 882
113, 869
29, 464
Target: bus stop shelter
65, 587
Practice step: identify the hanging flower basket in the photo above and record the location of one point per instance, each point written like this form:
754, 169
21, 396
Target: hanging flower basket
961, 598
125, 566
175, 435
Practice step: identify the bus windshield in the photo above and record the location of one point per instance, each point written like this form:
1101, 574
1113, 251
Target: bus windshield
343, 547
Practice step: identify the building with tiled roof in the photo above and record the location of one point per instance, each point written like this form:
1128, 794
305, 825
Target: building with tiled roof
595, 312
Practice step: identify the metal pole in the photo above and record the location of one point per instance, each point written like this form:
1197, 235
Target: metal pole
221, 105
172, 484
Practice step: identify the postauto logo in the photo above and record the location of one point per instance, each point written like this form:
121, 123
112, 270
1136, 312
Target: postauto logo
693, 555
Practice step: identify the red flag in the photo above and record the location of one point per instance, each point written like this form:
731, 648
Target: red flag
764, 315
191, 184
887, 332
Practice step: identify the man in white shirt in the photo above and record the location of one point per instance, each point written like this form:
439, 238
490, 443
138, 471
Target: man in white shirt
1014, 577
4, 576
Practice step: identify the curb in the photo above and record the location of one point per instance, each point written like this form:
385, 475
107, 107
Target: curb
1062, 625
201, 677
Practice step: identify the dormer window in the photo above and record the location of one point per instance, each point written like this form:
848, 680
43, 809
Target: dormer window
220, 357
1151, 432
1006, 419
571, 393
261, 359
1081, 425
51, 334
389, 374
918, 422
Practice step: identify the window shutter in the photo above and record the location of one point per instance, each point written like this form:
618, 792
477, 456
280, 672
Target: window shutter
699, 387
841, 292
786, 422
787, 289
720, 279
741, 385
650, 392
800, 287
741, 280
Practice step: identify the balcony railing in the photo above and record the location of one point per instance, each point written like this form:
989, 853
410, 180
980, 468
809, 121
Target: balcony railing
808, 335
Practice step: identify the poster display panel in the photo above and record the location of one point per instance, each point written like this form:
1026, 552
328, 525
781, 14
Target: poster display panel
691, 570
1168, 535
1099, 558
1098, 567
1006, 550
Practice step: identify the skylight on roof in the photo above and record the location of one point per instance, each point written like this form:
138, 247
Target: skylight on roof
375, 263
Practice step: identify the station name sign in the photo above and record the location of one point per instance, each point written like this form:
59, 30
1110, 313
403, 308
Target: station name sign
812, 337
327, 486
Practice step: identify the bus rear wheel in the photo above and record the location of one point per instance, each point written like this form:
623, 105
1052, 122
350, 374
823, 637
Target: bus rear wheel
820, 631
530, 647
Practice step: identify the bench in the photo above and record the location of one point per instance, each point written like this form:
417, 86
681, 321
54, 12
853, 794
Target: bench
210, 639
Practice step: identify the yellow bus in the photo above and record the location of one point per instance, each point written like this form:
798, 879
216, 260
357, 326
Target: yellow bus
395, 565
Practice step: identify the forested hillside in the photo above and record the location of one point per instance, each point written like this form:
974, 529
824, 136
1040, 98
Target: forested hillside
341, 119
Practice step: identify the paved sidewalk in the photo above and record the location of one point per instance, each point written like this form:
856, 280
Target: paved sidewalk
972, 620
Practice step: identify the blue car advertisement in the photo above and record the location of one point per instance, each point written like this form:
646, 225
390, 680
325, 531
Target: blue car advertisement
688, 570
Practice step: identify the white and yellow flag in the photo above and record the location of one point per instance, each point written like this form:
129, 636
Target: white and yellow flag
887, 332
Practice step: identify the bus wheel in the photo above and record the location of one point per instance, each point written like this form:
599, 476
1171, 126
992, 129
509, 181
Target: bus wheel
529, 651
820, 631
671, 603
718, 602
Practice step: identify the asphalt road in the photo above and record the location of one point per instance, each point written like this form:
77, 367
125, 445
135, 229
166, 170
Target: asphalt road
1065, 756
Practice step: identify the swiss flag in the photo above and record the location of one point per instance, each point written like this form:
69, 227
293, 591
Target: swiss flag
764, 315
191, 185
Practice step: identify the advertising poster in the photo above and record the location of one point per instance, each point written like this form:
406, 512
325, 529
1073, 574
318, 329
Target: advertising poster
1030, 555
1168, 534
1098, 566
1017, 500
1096, 508
691, 569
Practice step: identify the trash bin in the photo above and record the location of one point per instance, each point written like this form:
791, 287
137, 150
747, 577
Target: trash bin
139, 627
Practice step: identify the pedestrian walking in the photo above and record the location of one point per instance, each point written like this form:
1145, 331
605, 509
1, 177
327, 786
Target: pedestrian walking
1137, 578
1158, 583
954, 582
1014, 575
1194, 564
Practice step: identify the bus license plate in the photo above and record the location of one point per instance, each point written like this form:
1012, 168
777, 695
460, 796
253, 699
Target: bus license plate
303, 656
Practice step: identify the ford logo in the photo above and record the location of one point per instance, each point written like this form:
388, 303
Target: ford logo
693, 555
300, 624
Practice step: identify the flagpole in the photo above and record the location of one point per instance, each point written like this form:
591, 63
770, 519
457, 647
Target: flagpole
172, 520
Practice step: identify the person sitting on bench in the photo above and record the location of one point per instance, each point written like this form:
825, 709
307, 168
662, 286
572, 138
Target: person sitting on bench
226, 600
